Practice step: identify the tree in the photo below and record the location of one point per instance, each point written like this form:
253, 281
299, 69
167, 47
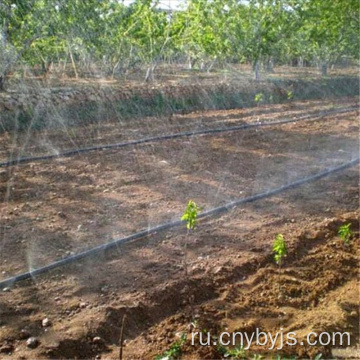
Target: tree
266, 25
330, 28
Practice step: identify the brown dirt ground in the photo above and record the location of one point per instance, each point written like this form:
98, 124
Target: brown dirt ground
55, 208
174, 75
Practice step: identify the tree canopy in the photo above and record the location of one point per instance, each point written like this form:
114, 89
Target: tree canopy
110, 36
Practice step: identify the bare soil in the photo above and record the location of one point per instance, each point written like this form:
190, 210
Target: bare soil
174, 75
225, 278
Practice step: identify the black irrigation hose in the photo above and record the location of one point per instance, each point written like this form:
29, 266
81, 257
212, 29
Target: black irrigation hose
170, 136
215, 211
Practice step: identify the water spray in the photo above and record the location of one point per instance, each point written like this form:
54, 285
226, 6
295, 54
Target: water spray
172, 136
166, 226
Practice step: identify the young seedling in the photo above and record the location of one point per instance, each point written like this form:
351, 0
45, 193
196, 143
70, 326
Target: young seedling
235, 354
280, 249
279, 357
190, 215
259, 98
257, 357
174, 352
345, 233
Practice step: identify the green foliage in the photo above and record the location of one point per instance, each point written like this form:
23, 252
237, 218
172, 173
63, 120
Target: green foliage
237, 353
279, 248
257, 357
190, 215
259, 98
174, 351
279, 357
345, 233
115, 36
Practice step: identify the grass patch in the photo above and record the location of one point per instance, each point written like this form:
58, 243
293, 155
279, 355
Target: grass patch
157, 102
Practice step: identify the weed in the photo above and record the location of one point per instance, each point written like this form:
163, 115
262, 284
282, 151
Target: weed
290, 95
345, 233
279, 248
174, 351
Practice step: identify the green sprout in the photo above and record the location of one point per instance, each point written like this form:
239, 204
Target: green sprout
190, 215
259, 98
257, 357
174, 352
345, 233
290, 95
279, 357
237, 353
279, 249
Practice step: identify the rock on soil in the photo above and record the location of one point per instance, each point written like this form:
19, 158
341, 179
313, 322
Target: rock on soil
32, 343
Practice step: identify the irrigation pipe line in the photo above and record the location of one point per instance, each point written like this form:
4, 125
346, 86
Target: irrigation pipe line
170, 136
145, 233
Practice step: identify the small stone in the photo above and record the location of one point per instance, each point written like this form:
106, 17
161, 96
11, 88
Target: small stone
6, 289
46, 322
83, 305
32, 343
61, 215
97, 340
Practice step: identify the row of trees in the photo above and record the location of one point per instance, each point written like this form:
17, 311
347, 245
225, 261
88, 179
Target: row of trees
114, 37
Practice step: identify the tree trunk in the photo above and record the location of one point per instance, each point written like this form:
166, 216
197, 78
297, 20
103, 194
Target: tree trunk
300, 62
150, 73
324, 69
73, 64
256, 69
2, 83
191, 63
46, 67
270, 66
211, 66
114, 69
